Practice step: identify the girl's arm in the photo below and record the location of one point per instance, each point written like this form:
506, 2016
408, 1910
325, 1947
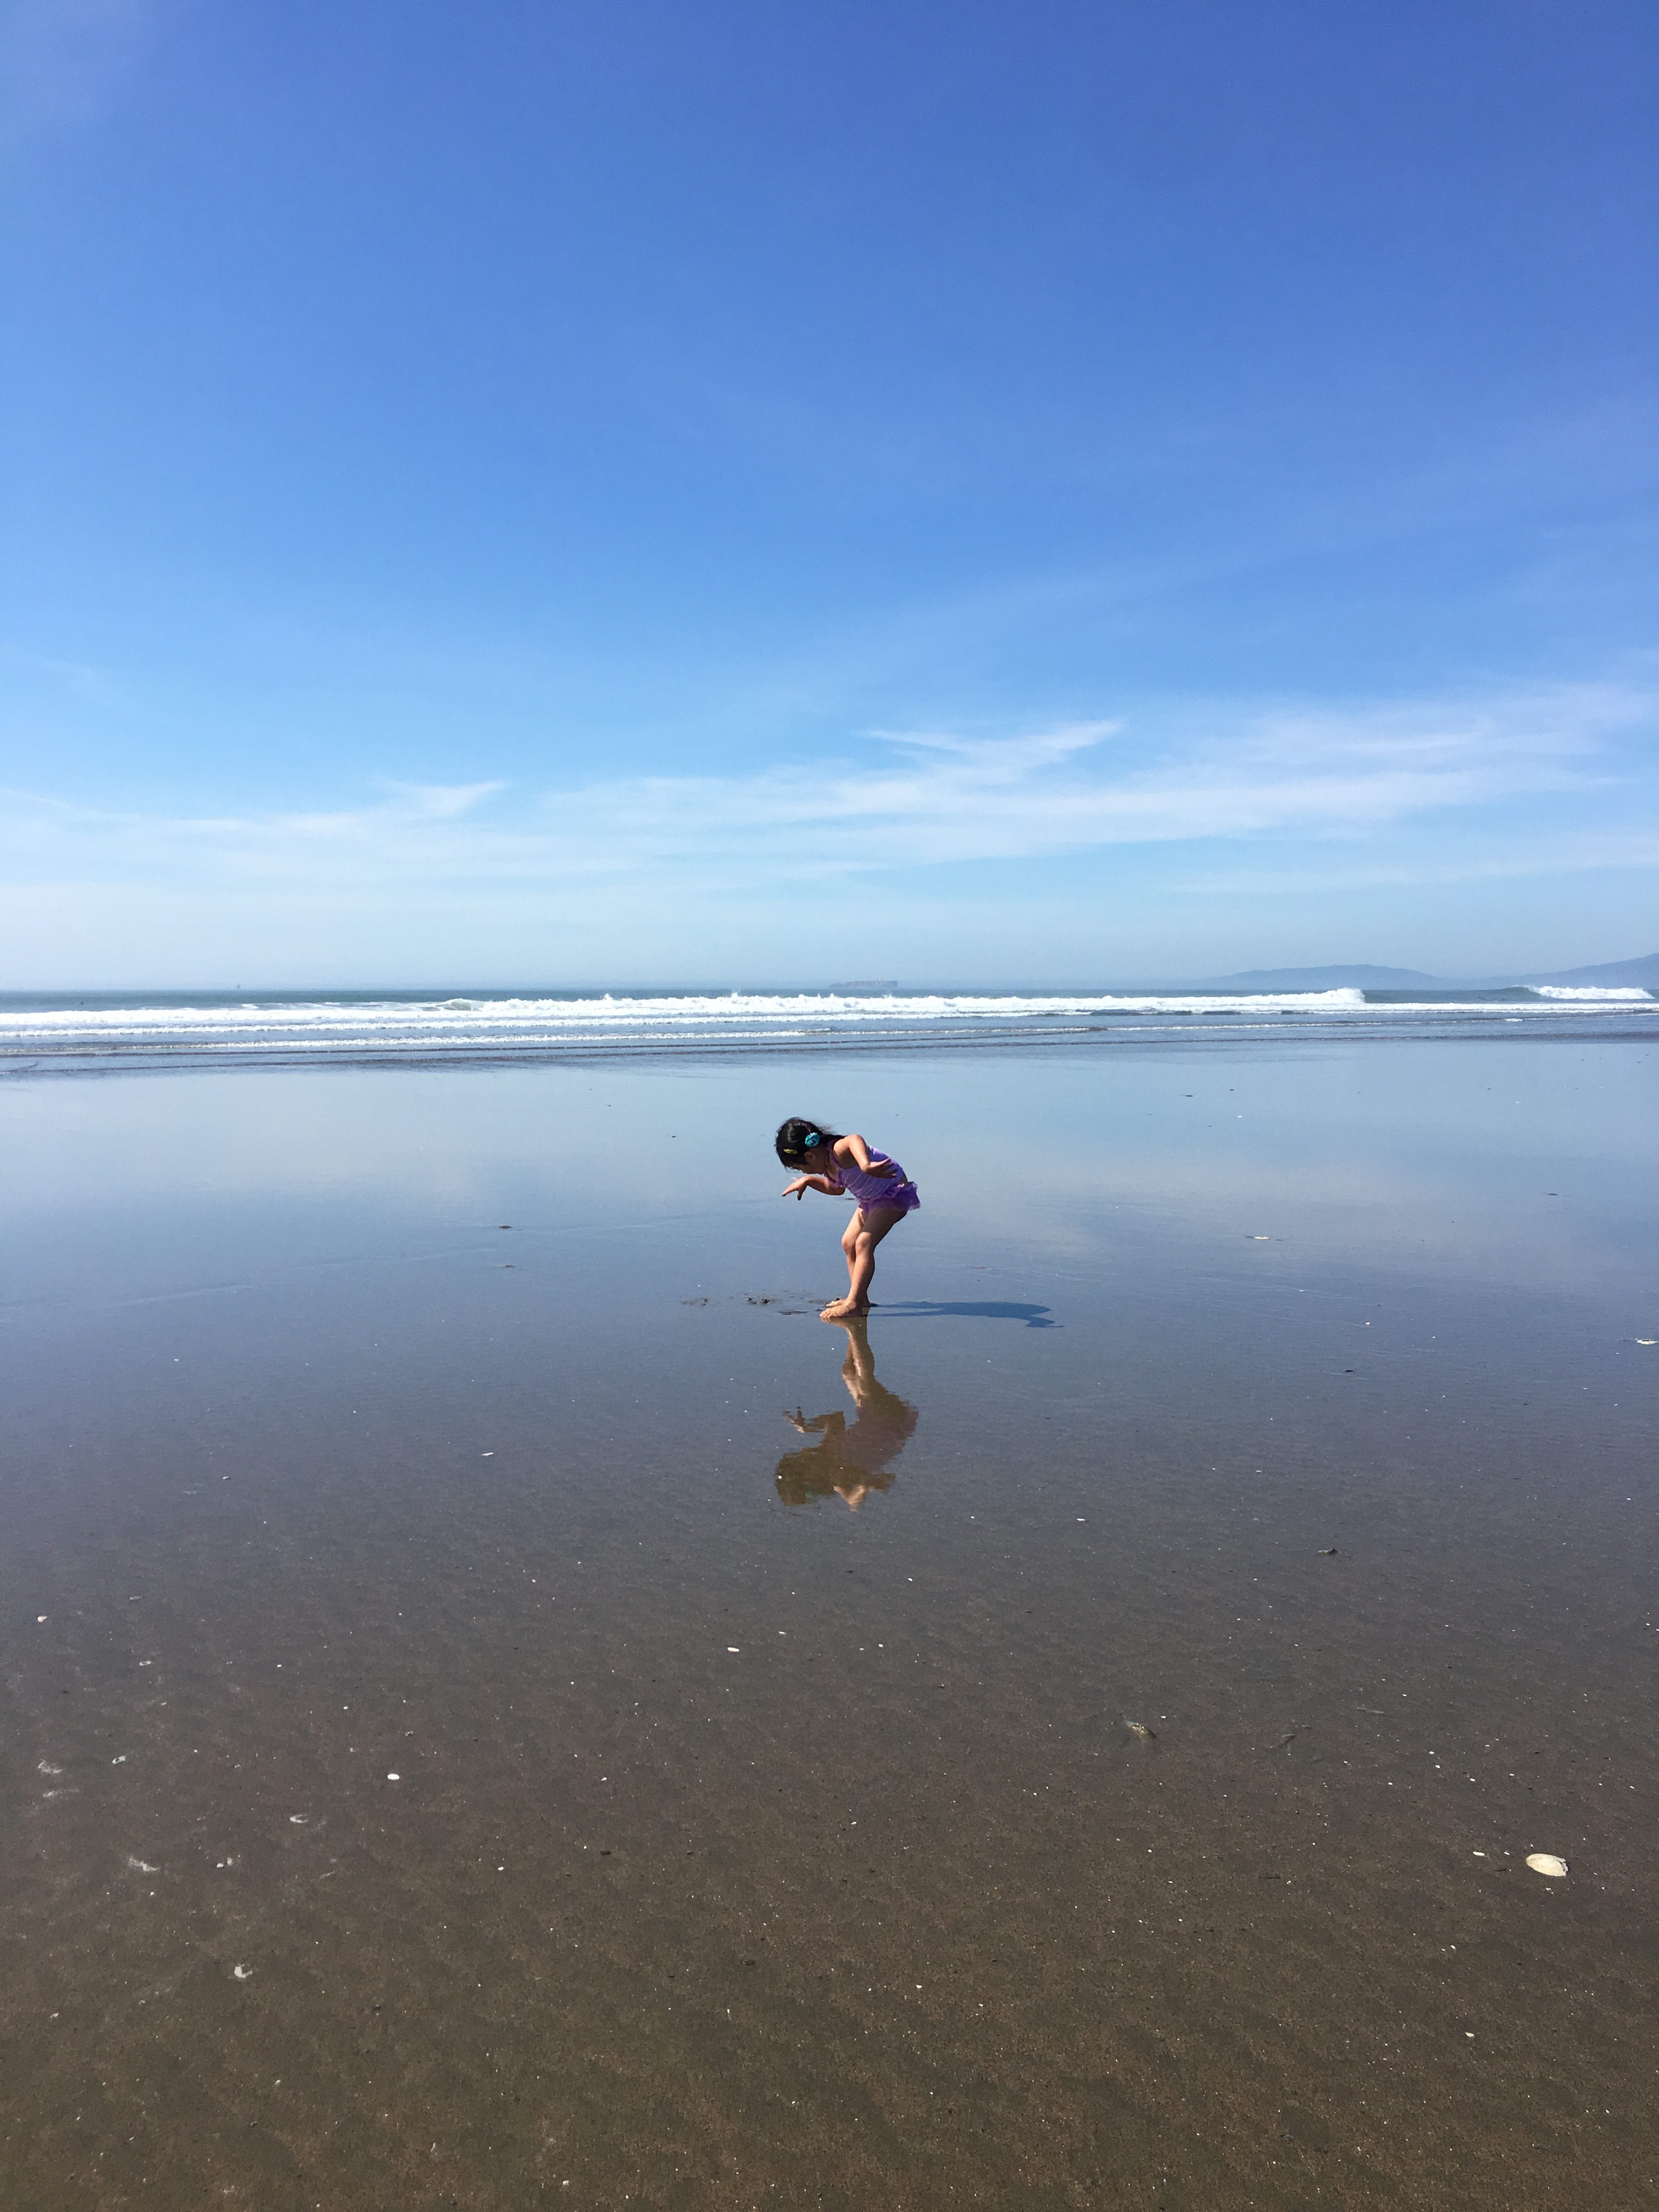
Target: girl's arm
860, 1156
830, 1188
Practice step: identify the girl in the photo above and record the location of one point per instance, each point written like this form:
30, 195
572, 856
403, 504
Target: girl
844, 1167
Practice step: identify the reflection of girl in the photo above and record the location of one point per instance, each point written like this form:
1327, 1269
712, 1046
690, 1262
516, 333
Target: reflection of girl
846, 1167
848, 1462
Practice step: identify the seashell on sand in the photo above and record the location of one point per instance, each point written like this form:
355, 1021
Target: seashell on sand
1546, 1862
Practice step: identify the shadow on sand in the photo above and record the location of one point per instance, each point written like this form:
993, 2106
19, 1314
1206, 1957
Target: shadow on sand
964, 1309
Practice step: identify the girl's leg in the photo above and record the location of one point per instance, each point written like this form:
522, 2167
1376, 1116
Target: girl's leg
840, 1307
849, 1246
860, 1245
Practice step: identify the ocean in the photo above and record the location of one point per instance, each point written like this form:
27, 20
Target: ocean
80, 1030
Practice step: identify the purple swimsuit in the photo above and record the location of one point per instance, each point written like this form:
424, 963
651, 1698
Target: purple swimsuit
872, 1191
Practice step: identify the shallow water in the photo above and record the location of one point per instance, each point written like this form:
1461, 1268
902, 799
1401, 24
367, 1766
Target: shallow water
1087, 1753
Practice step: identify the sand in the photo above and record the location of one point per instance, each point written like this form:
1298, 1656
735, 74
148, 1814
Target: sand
1128, 1804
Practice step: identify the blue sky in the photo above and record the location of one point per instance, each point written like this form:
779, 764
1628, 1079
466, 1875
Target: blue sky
726, 492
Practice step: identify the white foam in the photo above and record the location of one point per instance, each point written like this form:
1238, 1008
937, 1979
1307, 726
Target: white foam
730, 1019
1621, 994
610, 1013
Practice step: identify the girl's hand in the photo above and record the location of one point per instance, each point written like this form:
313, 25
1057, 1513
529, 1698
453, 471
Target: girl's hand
793, 1190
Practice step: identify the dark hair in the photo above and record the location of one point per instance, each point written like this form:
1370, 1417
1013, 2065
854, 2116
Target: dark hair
798, 1138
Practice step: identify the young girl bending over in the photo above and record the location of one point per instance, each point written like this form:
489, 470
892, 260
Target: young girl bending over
846, 1167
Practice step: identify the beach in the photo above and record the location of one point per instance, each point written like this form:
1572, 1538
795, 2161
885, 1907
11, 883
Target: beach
461, 1750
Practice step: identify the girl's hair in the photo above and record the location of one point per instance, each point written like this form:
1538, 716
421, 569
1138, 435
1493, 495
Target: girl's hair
798, 1138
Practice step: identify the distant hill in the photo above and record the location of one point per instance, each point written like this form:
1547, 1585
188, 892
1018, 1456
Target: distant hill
1610, 974
1613, 975
1355, 978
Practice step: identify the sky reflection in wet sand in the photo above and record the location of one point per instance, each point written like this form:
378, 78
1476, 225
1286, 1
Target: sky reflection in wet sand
737, 1847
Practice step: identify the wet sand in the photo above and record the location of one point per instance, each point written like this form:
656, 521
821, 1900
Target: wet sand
1126, 1805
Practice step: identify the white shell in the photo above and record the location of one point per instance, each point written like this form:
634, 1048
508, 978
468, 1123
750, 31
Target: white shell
1546, 1862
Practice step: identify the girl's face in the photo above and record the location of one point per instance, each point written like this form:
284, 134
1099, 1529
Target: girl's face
821, 1159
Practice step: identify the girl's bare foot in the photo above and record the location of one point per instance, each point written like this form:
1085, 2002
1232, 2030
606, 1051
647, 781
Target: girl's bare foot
844, 1309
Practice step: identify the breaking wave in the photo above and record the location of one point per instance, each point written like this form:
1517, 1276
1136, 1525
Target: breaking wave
293, 1026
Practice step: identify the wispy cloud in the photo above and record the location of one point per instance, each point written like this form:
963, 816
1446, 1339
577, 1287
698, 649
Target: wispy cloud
903, 800
1314, 773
